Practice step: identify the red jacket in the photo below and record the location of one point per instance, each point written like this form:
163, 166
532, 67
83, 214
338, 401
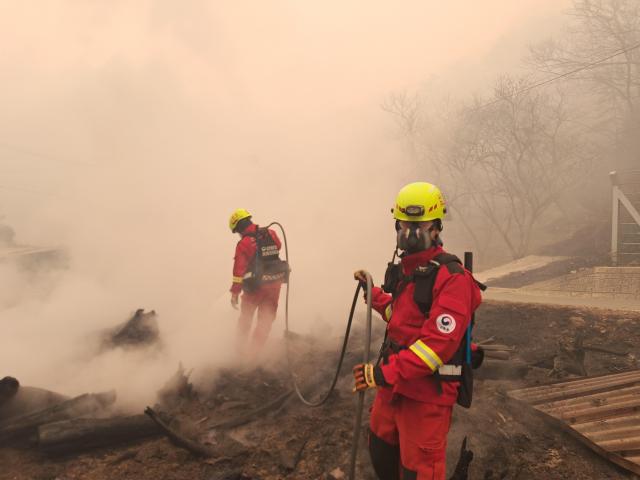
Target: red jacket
430, 342
245, 254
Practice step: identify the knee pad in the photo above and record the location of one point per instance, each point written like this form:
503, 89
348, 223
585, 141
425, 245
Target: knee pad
385, 458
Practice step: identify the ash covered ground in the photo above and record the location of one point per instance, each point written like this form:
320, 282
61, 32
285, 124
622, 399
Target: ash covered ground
289, 440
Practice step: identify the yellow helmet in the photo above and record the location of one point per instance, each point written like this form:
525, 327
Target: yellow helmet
239, 214
419, 202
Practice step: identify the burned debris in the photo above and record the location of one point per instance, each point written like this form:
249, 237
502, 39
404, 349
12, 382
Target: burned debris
23, 429
247, 424
141, 330
8, 388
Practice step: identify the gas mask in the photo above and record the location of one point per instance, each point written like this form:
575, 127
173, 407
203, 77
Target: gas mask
413, 239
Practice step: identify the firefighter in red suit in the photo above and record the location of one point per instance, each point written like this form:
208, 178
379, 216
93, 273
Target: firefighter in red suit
254, 273
417, 381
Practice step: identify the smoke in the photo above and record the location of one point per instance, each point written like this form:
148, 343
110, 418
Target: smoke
131, 130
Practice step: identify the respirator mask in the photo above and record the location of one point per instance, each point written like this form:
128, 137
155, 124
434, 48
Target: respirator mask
414, 238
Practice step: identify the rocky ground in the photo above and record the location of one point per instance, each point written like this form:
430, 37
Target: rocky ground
292, 441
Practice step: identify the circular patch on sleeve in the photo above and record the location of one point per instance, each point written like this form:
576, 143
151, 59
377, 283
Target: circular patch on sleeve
446, 323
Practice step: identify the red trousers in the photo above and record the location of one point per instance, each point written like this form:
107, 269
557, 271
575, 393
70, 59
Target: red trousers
265, 300
418, 429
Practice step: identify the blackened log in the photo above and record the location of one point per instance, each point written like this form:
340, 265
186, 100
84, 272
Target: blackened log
24, 428
78, 434
29, 400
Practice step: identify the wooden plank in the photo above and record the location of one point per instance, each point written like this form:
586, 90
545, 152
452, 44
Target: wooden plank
531, 391
596, 400
599, 398
577, 391
602, 412
622, 432
621, 444
582, 382
574, 382
576, 416
588, 427
619, 460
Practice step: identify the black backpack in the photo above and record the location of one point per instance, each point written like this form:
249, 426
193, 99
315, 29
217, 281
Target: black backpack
266, 266
464, 361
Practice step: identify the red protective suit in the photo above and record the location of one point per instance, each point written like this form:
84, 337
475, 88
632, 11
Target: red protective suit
264, 299
414, 411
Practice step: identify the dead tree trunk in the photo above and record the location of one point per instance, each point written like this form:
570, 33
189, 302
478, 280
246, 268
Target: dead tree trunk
85, 433
25, 427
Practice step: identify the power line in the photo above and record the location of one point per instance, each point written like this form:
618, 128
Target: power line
563, 75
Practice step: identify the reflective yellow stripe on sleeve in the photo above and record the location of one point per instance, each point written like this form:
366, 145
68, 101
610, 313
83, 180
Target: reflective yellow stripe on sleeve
387, 313
426, 354
237, 279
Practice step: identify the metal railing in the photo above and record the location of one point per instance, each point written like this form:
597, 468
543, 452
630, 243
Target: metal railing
625, 222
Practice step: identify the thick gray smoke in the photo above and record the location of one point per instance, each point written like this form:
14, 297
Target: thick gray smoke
131, 130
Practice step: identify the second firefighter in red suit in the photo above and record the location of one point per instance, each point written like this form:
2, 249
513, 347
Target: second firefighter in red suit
417, 381
256, 250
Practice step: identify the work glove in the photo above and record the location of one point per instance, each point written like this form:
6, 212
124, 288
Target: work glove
234, 300
367, 376
362, 278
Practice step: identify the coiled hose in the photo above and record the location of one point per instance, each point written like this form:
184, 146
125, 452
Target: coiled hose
365, 359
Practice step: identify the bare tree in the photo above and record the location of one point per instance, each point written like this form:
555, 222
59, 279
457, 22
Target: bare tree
599, 29
429, 129
505, 164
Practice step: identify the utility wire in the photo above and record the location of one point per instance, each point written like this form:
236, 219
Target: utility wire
563, 75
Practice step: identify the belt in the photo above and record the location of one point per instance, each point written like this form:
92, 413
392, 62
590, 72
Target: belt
450, 370
389, 347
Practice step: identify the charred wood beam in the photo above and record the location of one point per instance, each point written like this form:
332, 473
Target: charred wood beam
29, 400
78, 434
25, 427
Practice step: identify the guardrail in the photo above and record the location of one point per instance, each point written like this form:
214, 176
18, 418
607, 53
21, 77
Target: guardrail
625, 222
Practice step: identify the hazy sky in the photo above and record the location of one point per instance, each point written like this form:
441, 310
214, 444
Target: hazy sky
272, 54
295, 85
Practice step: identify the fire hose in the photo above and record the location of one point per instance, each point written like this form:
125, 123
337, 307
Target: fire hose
367, 346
